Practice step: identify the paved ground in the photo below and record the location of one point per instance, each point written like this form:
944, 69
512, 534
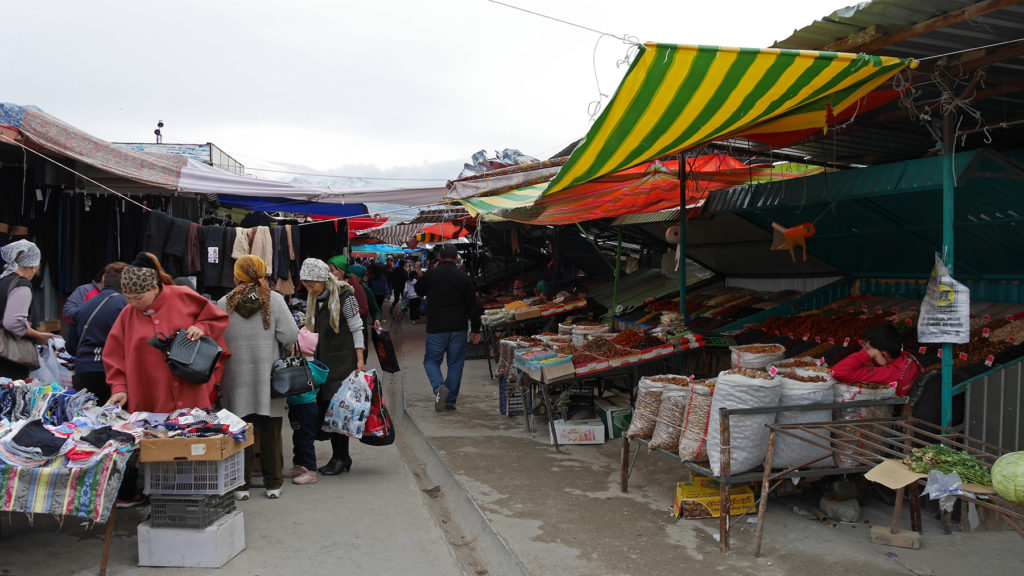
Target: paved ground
562, 513
559, 513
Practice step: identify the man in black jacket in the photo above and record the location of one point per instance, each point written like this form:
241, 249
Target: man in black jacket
451, 304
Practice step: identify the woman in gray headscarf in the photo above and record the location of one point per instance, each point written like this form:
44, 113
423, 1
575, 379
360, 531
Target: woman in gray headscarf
21, 264
333, 313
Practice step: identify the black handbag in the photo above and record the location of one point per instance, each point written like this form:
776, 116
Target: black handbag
291, 377
192, 360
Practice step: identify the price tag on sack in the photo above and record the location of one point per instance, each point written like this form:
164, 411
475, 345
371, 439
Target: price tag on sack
895, 309
987, 317
985, 332
878, 309
850, 309
806, 336
864, 308
1009, 317
791, 335
892, 384
922, 350
773, 370
861, 343
972, 314
817, 339
990, 360
835, 307
939, 352
963, 356
831, 340
846, 342
910, 322
821, 361
1012, 340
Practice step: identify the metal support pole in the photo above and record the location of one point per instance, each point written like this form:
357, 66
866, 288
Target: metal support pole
682, 235
948, 189
615, 287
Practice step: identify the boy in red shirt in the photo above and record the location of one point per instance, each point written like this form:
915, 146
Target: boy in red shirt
882, 361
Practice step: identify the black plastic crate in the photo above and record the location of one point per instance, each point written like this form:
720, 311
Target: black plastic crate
477, 351
189, 510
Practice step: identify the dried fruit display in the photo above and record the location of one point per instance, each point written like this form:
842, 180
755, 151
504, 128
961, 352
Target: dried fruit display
761, 349
599, 347
750, 373
627, 338
669, 379
808, 378
671, 417
583, 358
512, 306
568, 349
647, 342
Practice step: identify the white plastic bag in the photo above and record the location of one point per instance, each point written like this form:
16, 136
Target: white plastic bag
945, 310
748, 434
790, 450
350, 406
50, 370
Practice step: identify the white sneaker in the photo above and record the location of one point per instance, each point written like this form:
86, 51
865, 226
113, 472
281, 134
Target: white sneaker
274, 494
241, 494
441, 398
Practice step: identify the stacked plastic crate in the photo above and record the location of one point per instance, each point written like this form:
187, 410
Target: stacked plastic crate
193, 521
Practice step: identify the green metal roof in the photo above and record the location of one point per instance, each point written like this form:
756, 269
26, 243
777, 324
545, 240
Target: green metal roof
886, 221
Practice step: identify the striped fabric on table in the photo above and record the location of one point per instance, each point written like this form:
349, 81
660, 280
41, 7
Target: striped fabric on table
676, 98
87, 493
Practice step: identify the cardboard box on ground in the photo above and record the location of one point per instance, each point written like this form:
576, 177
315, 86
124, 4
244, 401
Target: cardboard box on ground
701, 499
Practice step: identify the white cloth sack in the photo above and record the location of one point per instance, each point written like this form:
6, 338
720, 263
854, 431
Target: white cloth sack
671, 417
852, 393
789, 450
645, 413
350, 406
743, 359
749, 437
693, 440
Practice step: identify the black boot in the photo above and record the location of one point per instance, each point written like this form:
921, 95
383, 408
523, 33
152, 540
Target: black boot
335, 466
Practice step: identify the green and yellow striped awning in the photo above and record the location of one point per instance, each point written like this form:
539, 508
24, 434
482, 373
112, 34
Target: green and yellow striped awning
675, 98
518, 198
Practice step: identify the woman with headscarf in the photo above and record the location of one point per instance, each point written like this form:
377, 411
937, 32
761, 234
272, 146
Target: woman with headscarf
332, 312
21, 264
357, 278
260, 326
139, 377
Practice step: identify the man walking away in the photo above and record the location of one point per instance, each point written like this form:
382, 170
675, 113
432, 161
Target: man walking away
451, 303
398, 278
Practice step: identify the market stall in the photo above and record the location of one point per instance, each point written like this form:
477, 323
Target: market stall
63, 455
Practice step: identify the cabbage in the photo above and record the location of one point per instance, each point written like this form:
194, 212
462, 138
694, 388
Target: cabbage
1008, 477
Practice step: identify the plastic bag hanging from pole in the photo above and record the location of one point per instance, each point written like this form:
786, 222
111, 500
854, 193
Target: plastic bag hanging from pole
945, 310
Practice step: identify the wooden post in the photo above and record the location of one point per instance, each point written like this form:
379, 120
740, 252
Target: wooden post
762, 507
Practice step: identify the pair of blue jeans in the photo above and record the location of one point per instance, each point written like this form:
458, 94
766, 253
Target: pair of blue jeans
438, 346
303, 418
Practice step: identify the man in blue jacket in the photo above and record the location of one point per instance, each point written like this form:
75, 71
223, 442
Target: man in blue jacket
451, 305
90, 325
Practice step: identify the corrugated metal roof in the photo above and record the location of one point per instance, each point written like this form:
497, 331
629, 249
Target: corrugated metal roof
890, 133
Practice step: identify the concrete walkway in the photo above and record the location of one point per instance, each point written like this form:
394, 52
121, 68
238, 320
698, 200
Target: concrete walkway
472, 492
562, 512
373, 520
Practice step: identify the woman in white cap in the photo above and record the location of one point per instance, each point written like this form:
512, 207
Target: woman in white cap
340, 347
21, 264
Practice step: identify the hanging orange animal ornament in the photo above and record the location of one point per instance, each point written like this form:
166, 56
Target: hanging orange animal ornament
789, 238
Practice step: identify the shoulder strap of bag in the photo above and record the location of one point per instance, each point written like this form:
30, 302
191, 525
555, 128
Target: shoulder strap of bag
85, 329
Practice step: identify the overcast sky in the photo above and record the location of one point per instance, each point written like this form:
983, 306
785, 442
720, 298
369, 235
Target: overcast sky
406, 88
